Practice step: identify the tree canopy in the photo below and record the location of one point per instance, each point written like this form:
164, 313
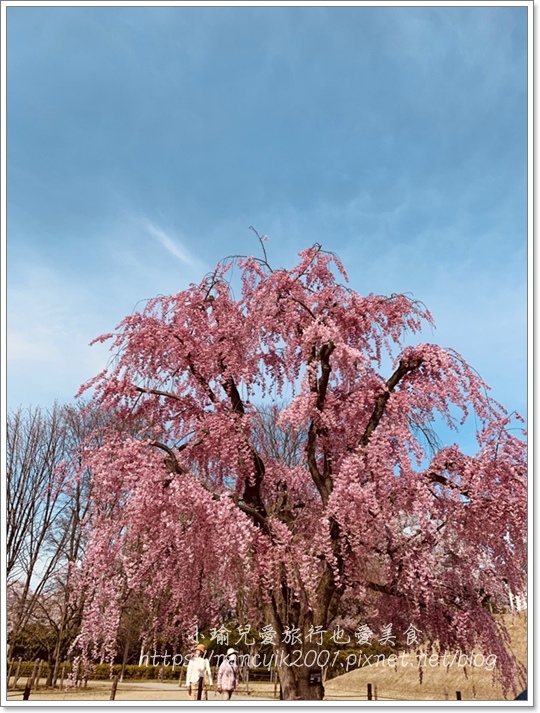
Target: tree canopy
197, 508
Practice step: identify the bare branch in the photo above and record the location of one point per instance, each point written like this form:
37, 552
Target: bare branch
158, 392
262, 246
404, 368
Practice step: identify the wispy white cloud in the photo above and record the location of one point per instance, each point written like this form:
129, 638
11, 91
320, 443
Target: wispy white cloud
394, 137
53, 313
174, 246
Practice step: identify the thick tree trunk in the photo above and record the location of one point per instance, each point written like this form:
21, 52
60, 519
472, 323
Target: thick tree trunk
300, 672
300, 657
301, 682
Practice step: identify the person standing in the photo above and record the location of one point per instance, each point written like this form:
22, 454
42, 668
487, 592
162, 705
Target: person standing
198, 675
227, 677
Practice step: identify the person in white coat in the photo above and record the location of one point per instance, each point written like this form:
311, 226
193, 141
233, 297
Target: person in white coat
198, 675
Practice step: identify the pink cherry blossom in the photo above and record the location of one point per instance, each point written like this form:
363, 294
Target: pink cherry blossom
195, 514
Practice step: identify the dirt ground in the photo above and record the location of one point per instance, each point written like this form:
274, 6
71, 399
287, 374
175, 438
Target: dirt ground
399, 683
135, 691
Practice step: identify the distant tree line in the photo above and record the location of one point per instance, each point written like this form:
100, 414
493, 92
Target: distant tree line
44, 540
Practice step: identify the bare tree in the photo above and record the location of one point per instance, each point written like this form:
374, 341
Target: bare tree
36, 441
281, 442
46, 505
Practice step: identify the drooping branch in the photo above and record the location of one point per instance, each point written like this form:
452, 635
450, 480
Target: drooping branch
312, 464
158, 392
229, 385
404, 368
200, 378
329, 592
171, 460
323, 481
302, 304
261, 240
435, 477
252, 487
258, 517
389, 590
322, 384
443, 480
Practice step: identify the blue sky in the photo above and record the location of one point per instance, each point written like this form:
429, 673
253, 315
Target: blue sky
144, 141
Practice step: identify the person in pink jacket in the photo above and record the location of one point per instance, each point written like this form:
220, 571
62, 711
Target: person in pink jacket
227, 677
